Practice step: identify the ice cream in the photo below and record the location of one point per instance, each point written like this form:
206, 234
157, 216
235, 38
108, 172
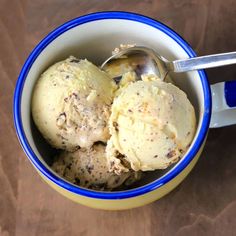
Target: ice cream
110, 134
88, 168
71, 104
152, 124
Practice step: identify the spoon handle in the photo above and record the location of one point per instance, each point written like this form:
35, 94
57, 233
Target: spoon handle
195, 63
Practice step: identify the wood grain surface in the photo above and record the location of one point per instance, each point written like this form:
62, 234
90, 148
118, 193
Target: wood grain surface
204, 204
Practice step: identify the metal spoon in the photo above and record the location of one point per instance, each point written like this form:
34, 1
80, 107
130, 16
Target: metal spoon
144, 60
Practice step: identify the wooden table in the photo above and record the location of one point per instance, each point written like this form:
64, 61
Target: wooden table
204, 204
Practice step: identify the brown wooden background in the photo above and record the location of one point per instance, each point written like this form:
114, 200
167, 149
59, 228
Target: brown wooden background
204, 204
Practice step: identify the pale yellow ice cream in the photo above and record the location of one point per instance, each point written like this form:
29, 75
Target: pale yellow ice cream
71, 104
152, 124
147, 125
88, 168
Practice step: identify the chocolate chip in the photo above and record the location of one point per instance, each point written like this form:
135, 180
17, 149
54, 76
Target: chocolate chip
117, 180
89, 168
61, 119
112, 163
155, 156
77, 180
75, 60
115, 125
75, 95
171, 154
69, 166
62, 137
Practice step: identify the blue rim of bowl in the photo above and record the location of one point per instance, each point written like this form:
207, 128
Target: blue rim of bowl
119, 194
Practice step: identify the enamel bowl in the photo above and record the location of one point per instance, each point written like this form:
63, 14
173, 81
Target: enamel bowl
93, 37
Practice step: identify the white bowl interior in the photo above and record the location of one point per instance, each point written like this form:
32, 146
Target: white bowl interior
95, 40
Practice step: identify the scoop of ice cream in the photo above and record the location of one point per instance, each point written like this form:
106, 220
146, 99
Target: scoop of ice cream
71, 104
88, 168
152, 124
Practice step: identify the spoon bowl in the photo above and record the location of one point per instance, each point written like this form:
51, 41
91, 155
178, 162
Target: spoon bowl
141, 60
144, 60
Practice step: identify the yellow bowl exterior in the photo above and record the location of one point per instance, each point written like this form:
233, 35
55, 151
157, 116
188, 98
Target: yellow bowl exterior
128, 203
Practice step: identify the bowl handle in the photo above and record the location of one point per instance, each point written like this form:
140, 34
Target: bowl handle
223, 104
